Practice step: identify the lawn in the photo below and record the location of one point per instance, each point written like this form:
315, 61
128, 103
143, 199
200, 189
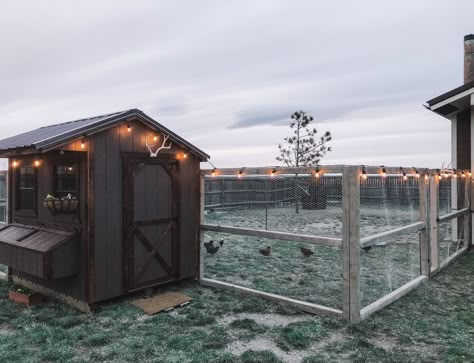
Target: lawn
435, 323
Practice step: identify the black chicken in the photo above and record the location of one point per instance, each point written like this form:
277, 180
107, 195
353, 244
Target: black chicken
221, 242
367, 248
212, 249
306, 252
266, 251
209, 244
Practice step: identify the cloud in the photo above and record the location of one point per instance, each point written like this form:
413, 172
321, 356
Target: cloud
229, 74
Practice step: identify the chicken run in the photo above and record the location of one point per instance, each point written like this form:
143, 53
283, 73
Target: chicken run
309, 272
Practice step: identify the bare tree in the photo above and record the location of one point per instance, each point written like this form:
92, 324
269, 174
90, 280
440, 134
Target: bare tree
303, 148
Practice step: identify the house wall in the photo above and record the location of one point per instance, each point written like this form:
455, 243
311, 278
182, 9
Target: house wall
463, 140
72, 286
105, 190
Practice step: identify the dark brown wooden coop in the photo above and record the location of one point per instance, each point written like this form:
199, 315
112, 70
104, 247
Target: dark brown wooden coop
101, 207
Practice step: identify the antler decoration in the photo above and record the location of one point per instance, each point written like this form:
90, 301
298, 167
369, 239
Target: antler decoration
153, 154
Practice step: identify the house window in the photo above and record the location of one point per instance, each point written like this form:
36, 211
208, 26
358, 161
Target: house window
67, 181
26, 199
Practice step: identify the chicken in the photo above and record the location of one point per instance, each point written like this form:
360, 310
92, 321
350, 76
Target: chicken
306, 252
266, 251
221, 242
212, 249
367, 249
209, 244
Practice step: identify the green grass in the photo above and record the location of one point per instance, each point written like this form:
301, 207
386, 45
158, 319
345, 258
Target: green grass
435, 323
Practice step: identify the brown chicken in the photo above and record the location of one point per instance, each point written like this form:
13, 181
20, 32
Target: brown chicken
306, 252
266, 251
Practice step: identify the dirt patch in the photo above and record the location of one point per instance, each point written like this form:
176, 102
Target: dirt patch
258, 344
270, 320
6, 329
385, 342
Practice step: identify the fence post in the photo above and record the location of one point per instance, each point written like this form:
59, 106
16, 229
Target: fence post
351, 243
433, 223
424, 190
201, 232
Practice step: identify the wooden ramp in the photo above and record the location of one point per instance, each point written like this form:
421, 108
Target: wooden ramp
163, 302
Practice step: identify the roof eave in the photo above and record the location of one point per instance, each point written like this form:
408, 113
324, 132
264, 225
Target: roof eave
52, 143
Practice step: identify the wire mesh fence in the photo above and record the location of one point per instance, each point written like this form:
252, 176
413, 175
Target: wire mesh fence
298, 204
284, 233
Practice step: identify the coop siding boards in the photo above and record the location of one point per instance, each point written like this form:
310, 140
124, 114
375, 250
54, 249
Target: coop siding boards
114, 213
101, 215
351, 243
189, 204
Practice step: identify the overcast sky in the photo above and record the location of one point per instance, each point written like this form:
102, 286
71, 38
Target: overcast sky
227, 74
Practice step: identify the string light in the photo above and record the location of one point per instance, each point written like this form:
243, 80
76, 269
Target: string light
317, 173
185, 155
213, 172
155, 138
83, 143
364, 173
439, 174
273, 172
240, 173
37, 163
15, 163
469, 173
69, 167
384, 172
463, 174
455, 173
404, 175
129, 129
427, 175
417, 173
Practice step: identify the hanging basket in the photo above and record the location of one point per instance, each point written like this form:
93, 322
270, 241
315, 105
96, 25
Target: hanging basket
56, 206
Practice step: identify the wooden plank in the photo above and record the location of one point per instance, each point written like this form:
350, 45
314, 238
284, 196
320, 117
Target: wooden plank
324, 169
284, 236
351, 243
452, 215
201, 233
113, 201
433, 223
89, 252
388, 235
392, 297
304, 306
424, 234
101, 216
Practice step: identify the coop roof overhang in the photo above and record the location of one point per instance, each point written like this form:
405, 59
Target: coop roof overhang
50, 137
452, 102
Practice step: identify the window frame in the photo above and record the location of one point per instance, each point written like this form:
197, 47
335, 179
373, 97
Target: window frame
26, 212
76, 165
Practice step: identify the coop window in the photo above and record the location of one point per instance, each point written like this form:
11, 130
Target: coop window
26, 188
67, 181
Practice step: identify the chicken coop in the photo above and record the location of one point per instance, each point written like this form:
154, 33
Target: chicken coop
101, 207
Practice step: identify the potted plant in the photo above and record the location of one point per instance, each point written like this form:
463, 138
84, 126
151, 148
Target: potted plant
22, 295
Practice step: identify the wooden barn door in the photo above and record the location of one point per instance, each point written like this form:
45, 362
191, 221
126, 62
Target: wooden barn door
150, 221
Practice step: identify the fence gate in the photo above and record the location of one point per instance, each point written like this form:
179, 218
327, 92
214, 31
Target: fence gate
150, 221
